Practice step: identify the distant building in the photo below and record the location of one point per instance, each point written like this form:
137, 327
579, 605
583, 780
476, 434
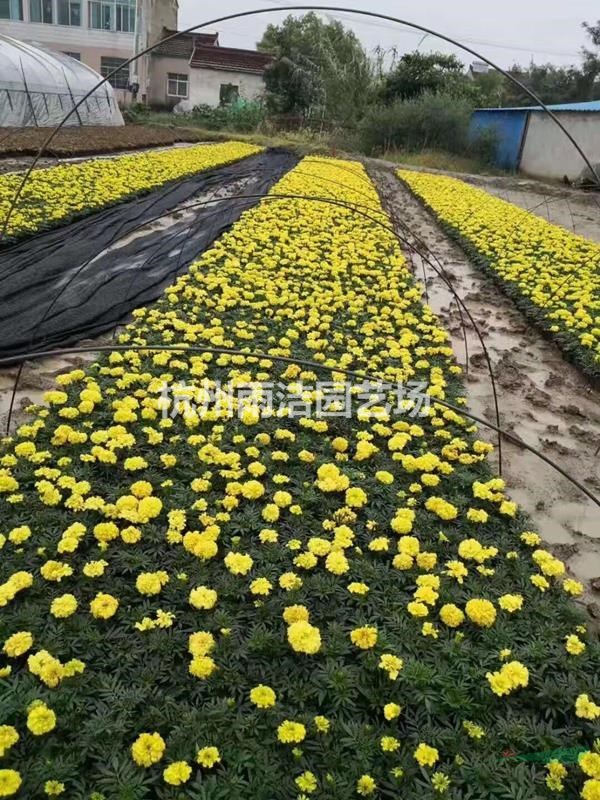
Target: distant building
479, 68
100, 33
529, 140
190, 70
194, 69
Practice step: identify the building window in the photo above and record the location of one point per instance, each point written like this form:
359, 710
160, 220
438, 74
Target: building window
119, 80
111, 15
125, 17
177, 85
76, 56
229, 93
40, 11
69, 12
11, 9
101, 16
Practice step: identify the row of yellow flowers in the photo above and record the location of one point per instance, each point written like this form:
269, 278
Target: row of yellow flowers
55, 195
551, 273
232, 600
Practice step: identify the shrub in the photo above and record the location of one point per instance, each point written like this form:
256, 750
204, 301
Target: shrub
431, 120
243, 115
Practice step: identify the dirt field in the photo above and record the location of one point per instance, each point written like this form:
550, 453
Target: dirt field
543, 400
20, 142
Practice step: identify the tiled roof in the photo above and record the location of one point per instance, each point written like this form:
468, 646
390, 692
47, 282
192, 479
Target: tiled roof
230, 58
183, 45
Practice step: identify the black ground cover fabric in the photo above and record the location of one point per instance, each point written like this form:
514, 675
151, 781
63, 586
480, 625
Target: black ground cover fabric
60, 287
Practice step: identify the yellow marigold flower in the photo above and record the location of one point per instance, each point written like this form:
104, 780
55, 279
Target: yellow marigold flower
540, 582
203, 598
356, 497
590, 764
148, 749
337, 563
365, 785
104, 606
322, 724
511, 676
291, 732
63, 606
389, 744
440, 782
207, 757
426, 756
417, 609
365, 638
55, 571
54, 788
573, 645
585, 708
94, 569
591, 790
511, 602
391, 711
202, 667
40, 719
474, 731
18, 644
531, 539
358, 588
201, 643
391, 664
261, 586
177, 773
441, 508
290, 581
481, 612
330, 479
263, 696
304, 637
151, 583
403, 520
451, 615
295, 613
306, 782
572, 587
238, 563
384, 477
10, 782
8, 737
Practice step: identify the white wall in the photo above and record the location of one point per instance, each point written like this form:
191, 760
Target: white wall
205, 85
548, 153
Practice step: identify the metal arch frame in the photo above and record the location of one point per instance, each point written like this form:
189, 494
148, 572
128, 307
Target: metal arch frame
353, 207
191, 349
308, 7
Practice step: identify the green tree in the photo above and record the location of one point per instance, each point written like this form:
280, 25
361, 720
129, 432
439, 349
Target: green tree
320, 69
419, 73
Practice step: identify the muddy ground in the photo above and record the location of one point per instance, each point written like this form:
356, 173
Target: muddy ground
543, 400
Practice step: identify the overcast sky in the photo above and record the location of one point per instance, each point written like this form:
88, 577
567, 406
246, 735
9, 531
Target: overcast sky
506, 32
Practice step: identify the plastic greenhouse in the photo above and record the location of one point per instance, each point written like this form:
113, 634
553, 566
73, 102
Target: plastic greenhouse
38, 87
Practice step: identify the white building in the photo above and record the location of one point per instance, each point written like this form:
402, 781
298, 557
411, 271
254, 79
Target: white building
191, 69
100, 33
195, 70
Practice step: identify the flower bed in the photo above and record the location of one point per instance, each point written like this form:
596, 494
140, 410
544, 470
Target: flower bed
56, 195
551, 274
208, 604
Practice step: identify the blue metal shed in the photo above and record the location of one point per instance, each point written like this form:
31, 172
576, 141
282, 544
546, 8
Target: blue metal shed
510, 126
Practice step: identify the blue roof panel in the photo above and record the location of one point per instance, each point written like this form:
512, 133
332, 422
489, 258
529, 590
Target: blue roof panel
592, 105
